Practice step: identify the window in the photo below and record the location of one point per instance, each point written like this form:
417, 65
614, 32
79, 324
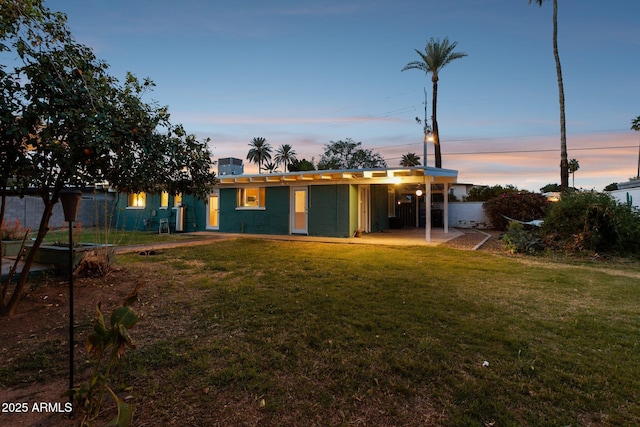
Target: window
164, 200
252, 198
136, 200
177, 200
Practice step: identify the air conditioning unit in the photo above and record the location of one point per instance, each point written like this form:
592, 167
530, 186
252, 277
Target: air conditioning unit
180, 212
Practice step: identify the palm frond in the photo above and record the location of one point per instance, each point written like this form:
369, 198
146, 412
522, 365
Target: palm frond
436, 55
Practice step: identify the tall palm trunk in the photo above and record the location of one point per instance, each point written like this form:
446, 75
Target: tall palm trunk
564, 163
434, 121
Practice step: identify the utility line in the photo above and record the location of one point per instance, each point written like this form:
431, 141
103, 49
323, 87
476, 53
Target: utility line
376, 116
448, 141
619, 147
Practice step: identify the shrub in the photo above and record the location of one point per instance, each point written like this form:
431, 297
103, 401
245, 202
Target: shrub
12, 231
521, 206
482, 194
106, 346
522, 239
592, 221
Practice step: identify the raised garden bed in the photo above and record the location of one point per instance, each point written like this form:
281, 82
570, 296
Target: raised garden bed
10, 248
58, 256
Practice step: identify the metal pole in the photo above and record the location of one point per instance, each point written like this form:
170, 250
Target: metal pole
425, 129
70, 200
71, 339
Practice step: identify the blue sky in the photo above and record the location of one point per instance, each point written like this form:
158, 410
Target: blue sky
309, 72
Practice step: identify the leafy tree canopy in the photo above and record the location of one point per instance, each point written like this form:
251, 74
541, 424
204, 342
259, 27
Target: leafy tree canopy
301, 165
551, 188
349, 154
66, 122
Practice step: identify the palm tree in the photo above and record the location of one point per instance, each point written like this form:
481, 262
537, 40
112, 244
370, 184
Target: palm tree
635, 125
436, 55
270, 166
285, 155
574, 165
410, 159
564, 164
260, 152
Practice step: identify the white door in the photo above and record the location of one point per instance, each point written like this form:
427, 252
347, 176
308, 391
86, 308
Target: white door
213, 211
299, 210
364, 215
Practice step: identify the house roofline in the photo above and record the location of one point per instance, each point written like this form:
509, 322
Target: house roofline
397, 175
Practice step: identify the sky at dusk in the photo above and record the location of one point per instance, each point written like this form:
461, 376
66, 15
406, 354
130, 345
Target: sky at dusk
306, 73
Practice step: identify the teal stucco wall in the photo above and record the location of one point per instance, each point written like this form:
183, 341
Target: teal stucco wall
148, 218
332, 212
379, 208
329, 210
273, 219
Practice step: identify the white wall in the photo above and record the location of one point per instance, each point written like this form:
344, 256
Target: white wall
466, 215
621, 195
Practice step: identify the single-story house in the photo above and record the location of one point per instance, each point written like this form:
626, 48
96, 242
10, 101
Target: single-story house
331, 203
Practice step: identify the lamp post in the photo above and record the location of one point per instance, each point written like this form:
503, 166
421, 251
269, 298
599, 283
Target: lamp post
70, 200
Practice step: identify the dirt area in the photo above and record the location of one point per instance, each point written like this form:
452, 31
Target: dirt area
471, 238
42, 322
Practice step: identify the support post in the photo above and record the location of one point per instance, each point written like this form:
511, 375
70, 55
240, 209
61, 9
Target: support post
446, 208
427, 207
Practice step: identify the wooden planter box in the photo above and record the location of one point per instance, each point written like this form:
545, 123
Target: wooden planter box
58, 256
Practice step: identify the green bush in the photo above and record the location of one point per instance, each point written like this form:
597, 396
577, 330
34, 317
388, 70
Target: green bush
592, 221
521, 206
522, 239
484, 193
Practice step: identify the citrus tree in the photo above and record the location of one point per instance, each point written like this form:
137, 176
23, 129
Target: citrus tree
70, 123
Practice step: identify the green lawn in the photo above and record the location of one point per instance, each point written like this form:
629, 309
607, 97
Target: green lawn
286, 333
255, 332
111, 236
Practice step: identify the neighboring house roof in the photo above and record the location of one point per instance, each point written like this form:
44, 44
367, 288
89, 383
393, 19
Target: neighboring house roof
633, 183
353, 176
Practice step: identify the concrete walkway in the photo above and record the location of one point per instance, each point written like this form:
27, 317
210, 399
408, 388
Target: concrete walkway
401, 237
